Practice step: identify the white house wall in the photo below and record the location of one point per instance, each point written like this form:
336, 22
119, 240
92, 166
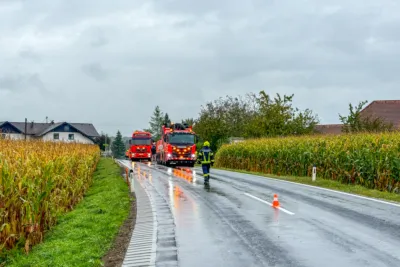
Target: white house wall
63, 136
15, 136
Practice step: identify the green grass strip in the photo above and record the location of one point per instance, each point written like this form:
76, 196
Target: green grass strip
85, 234
329, 184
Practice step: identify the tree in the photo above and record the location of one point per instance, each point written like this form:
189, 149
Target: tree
156, 123
188, 121
224, 118
357, 122
167, 121
118, 146
102, 141
252, 116
277, 117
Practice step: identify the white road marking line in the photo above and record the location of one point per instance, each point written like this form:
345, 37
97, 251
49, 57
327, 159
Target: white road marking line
320, 188
261, 200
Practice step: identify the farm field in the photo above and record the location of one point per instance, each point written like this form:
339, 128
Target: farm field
38, 182
90, 234
369, 160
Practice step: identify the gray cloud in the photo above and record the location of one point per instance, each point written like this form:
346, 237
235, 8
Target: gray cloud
96, 71
29, 54
21, 82
99, 41
129, 56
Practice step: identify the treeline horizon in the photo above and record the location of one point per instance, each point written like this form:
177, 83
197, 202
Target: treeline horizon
261, 115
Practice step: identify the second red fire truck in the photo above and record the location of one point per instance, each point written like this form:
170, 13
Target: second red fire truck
140, 146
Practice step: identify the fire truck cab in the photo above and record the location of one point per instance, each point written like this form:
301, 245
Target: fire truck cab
177, 146
140, 146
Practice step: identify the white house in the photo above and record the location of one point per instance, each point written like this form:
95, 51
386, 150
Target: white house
60, 131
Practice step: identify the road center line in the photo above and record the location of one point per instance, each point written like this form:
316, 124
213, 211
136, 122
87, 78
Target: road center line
263, 201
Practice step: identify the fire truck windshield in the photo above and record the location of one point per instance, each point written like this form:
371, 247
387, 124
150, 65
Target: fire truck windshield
141, 141
181, 138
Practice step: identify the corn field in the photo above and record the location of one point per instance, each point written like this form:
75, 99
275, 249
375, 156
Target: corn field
38, 181
371, 160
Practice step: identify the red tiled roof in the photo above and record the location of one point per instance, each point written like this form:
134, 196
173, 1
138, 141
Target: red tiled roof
388, 110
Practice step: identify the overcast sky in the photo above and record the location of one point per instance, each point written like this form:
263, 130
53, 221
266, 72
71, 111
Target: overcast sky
111, 62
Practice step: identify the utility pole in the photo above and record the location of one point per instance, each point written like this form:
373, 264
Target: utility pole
26, 126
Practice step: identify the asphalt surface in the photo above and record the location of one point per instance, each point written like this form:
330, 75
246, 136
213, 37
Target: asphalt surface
231, 222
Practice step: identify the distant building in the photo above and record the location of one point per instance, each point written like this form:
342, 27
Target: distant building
60, 131
388, 110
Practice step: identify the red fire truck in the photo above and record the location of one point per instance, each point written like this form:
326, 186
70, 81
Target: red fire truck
140, 146
177, 145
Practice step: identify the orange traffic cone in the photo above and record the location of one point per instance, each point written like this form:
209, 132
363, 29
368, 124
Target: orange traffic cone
275, 203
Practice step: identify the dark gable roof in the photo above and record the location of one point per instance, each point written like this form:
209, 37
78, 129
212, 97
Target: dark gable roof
40, 129
31, 128
86, 129
388, 110
50, 128
4, 125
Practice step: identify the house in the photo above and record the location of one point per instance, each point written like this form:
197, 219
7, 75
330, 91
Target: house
388, 110
60, 131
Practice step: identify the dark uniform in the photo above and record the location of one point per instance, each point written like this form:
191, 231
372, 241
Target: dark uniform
206, 158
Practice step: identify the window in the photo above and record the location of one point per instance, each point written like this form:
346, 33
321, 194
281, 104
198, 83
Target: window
141, 141
181, 138
56, 136
3, 136
71, 137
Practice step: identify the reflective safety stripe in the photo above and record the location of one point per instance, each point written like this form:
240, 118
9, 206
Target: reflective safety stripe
206, 174
206, 158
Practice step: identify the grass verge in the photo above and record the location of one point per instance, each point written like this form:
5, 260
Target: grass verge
329, 184
85, 234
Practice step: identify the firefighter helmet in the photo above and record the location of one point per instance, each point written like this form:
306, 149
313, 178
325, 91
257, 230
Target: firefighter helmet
206, 143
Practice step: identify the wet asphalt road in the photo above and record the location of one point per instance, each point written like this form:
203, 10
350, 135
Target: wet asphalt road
231, 222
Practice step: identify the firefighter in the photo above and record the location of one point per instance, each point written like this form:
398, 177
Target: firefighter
206, 158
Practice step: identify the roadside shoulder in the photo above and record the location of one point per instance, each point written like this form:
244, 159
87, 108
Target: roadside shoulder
326, 184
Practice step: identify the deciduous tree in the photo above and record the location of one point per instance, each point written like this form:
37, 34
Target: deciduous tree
102, 140
252, 116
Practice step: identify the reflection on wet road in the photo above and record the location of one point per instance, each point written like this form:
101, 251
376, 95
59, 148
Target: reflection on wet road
231, 222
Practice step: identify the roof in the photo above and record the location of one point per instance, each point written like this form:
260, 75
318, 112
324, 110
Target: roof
31, 128
329, 128
39, 129
86, 128
389, 110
